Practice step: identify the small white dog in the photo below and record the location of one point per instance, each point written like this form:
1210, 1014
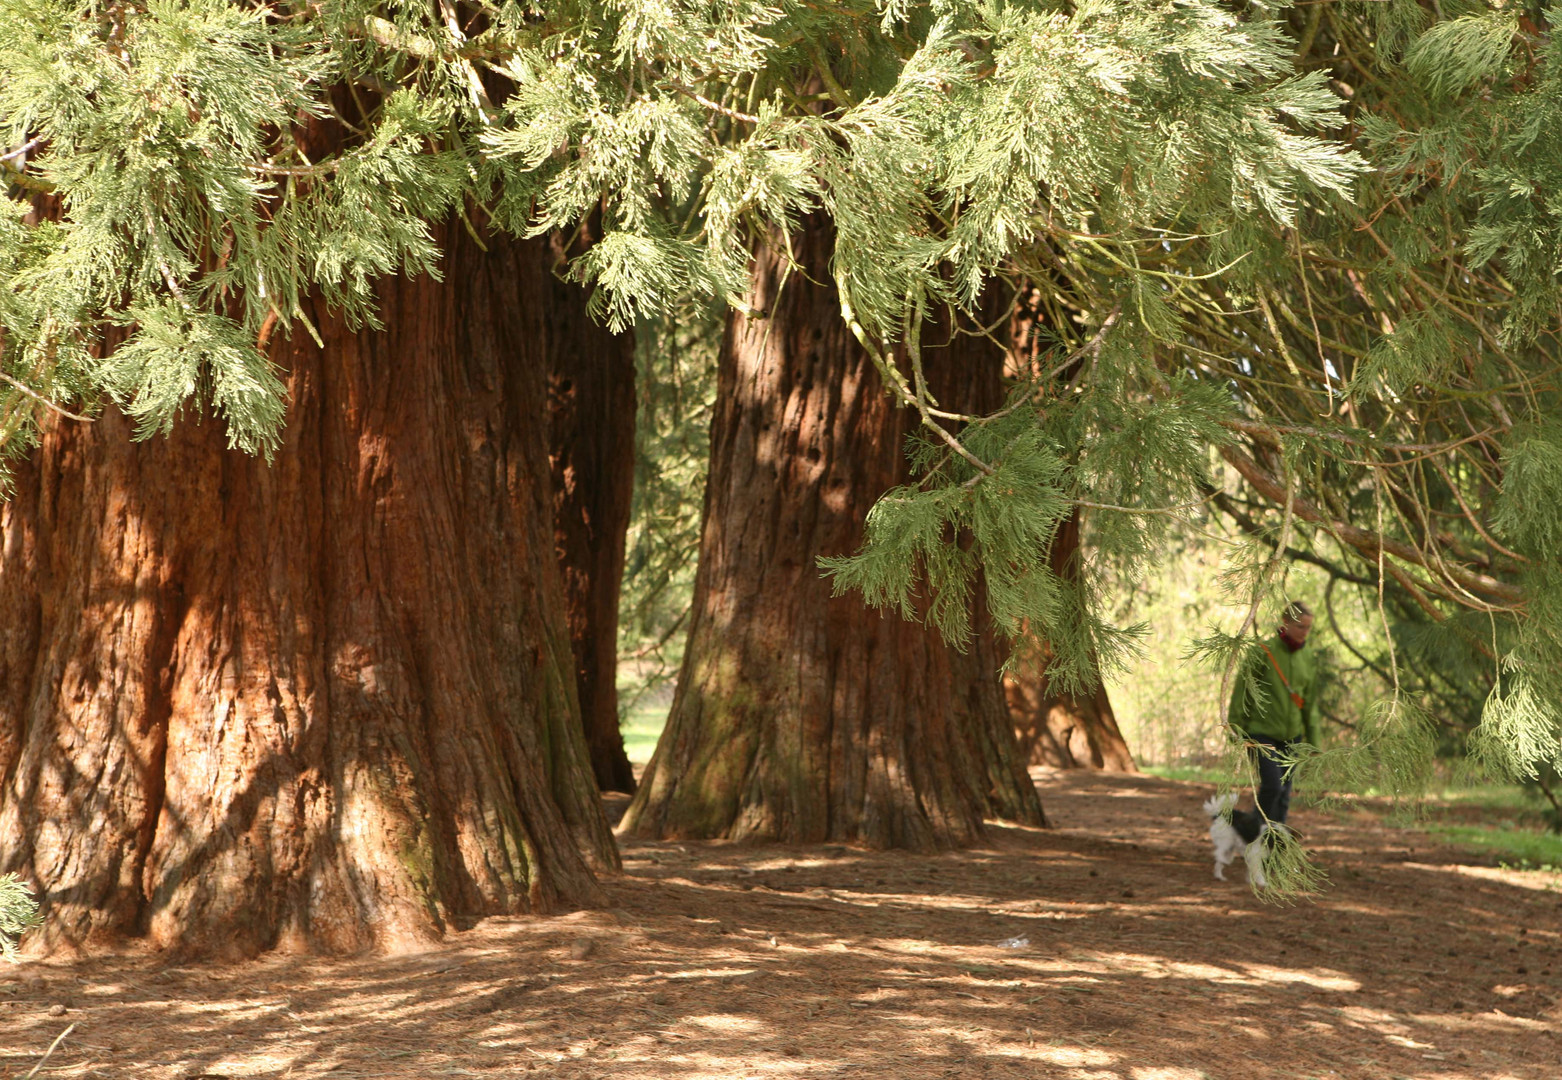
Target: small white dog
1229, 835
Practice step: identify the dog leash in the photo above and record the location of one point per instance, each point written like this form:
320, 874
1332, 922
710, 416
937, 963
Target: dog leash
1297, 698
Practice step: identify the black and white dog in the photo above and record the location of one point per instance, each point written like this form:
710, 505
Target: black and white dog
1239, 836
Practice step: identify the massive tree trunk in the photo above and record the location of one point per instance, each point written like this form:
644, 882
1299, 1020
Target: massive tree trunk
801, 716
591, 394
1063, 730
325, 703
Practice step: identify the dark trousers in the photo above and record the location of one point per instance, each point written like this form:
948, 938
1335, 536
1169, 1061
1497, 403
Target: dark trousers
1274, 779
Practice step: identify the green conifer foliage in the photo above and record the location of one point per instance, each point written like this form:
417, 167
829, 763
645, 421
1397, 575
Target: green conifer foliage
1379, 371
163, 186
168, 140
18, 914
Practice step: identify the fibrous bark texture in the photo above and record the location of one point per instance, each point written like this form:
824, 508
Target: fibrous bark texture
1064, 730
591, 395
800, 716
325, 703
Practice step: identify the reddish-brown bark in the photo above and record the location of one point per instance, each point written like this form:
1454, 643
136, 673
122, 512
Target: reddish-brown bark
801, 716
1064, 730
324, 703
591, 394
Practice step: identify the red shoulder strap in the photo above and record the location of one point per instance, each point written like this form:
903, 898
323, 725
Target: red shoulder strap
1283, 680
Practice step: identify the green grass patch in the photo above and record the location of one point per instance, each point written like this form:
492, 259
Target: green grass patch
1199, 774
1523, 849
642, 726
1504, 797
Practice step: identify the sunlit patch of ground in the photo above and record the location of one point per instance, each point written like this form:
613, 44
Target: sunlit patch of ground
1545, 880
1100, 949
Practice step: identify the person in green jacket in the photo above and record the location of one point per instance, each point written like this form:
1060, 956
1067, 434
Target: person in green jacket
1275, 707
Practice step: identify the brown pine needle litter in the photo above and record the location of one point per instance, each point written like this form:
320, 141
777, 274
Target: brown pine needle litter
1101, 949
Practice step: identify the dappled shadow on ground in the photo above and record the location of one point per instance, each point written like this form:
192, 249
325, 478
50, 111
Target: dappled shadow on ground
1100, 949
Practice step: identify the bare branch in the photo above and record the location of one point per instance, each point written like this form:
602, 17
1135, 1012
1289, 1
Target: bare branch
1369, 543
40, 399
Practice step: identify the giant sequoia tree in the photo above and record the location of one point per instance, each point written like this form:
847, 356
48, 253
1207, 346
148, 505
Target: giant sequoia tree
801, 716
794, 719
322, 697
591, 399
324, 702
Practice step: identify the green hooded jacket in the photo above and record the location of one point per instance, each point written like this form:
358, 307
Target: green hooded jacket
1261, 704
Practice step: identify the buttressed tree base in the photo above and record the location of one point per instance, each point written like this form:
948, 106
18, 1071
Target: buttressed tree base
324, 703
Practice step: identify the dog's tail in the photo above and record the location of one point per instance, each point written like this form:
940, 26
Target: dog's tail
1216, 805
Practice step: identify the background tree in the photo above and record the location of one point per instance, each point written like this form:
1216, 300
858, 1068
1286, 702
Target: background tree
1063, 727
799, 716
676, 373
591, 445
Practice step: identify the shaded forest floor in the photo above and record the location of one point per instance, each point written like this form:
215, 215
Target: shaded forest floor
1099, 949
